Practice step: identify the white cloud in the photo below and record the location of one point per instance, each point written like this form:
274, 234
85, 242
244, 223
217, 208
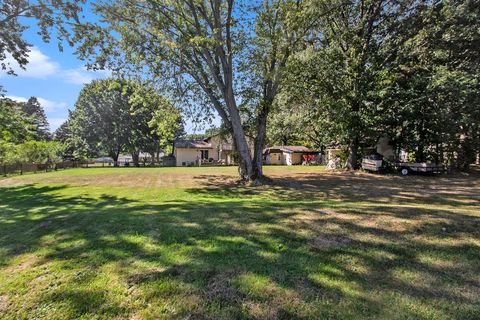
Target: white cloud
48, 105
41, 66
55, 123
77, 76
83, 76
16, 98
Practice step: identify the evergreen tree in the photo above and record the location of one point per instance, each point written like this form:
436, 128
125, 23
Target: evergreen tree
34, 110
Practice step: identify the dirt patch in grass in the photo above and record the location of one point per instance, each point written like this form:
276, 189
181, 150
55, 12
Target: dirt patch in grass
329, 241
27, 263
150, 275
3, 303
220, 288
262, 311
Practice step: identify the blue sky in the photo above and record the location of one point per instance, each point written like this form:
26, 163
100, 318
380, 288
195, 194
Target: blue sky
54, 77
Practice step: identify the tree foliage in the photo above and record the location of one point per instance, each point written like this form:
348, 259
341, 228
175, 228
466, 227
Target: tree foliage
113, 116
406, 69
318, 71
49, 16
199, 47
39, 123
431, 92
23, 134
14, 124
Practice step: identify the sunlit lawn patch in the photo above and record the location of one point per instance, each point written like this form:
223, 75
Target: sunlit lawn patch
168, 243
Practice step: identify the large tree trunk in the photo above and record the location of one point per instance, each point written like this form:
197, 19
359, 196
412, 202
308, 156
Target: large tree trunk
114, 157
352, 161
245, 168
420, 153
260, 139
152, 155
135, 157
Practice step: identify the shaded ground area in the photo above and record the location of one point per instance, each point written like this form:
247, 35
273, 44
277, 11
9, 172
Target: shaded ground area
190, 243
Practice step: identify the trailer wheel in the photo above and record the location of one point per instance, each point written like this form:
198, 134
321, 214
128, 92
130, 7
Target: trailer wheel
404, 171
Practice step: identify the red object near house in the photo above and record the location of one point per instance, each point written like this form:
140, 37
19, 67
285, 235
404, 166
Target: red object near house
308, 158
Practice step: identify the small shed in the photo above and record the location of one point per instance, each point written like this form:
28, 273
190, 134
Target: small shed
287, 155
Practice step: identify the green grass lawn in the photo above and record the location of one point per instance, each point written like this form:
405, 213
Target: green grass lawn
128, 243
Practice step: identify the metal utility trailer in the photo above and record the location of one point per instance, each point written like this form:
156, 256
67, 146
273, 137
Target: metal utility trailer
374, 164
406, 168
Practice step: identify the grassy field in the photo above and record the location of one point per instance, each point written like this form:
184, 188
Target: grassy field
128, 243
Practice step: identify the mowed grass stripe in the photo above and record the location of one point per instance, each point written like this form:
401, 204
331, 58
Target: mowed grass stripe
102, 244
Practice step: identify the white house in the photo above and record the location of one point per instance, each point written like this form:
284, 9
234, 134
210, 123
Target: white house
287, 155
212, 150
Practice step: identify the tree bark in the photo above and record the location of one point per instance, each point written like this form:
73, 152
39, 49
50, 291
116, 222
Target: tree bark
420, 153
352, 161
135, 157
260, 139
245, 168
245, 162
152, 155
114, 156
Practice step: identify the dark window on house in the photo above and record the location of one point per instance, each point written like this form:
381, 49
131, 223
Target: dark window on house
204, 154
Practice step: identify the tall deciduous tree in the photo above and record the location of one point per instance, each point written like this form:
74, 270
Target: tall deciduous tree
196, 46
431, 90
282, 28
14, 124
156, 121
101, 118
337, 73
64, 135
14, 128
189, 41
113, 116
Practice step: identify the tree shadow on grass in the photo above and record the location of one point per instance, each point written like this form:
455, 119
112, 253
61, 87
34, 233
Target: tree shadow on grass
235, 258
444, 190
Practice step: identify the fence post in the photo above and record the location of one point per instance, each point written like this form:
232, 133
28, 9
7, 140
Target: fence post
21, 168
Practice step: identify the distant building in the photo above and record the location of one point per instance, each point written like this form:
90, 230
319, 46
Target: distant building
288, 155
127, 158
212, 150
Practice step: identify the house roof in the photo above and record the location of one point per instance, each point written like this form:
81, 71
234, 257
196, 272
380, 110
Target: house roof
193, 144
333, 146
289, 149
225, 143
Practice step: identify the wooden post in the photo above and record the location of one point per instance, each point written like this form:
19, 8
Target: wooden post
21, 168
